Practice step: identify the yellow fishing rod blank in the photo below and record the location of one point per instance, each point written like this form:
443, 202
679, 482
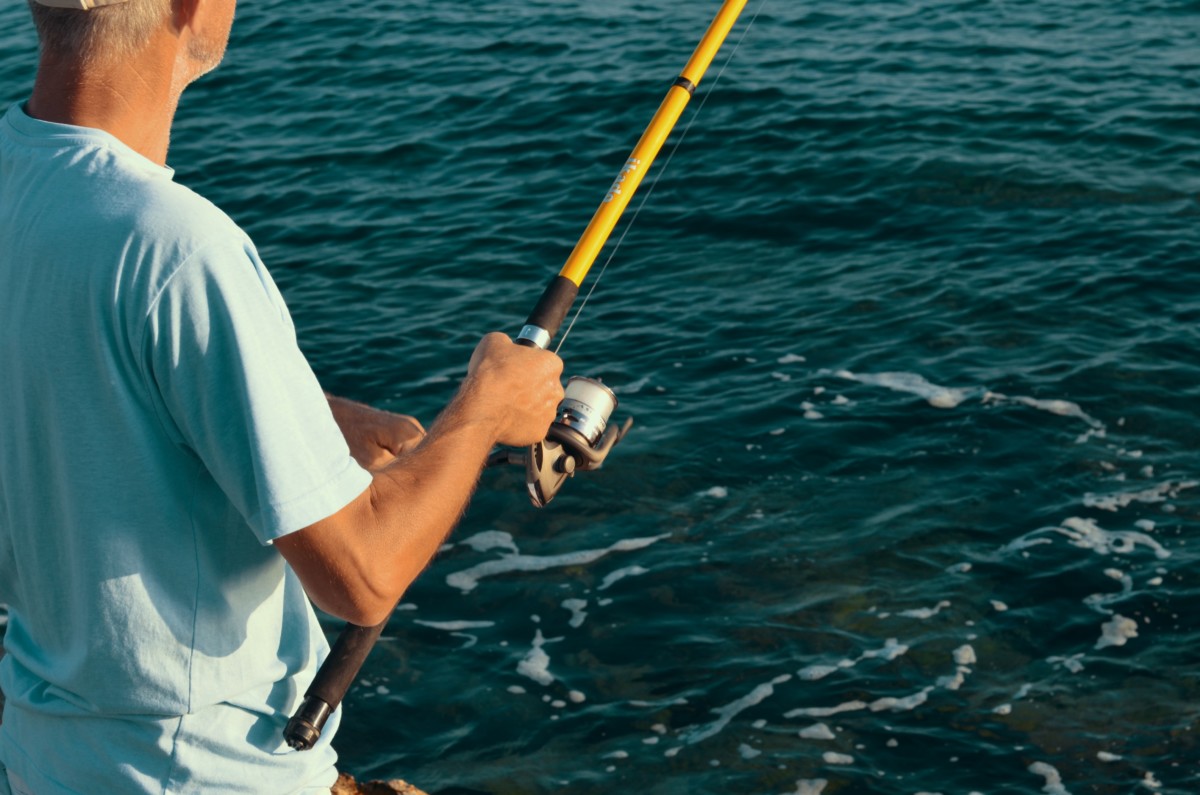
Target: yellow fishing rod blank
552, 307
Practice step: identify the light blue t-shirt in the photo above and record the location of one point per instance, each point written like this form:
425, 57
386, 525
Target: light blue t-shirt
159, 427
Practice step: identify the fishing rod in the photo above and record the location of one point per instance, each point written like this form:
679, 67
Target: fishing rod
580, 438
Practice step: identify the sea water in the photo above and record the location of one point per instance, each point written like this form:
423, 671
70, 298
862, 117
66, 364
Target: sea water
908, 327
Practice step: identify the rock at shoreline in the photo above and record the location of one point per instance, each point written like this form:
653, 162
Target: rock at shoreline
346, 785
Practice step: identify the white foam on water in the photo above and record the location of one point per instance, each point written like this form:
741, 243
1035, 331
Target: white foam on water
812, 673
1026, 541
937, 396
812, 786
892, 703
999, 606
834, 758
1087, 534
1063, 408
818, 731
825, 712
901, 704
1105, 756
1145, 524
517, 690
956, 681
489, 540
781, 376
578, 614
576, 697
890, 651
620, 574
1150, 782
925, 612
791, 358
536, 663
728, 712
1003, 709
1054, 785
1160, 493
1097, 601
1117, 632
1074, 663
746, 752
467, 579
959, 568
630, 389
455, 626
716, 492
964, 656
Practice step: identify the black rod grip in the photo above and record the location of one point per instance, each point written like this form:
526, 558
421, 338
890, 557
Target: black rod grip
329, 686
554, 304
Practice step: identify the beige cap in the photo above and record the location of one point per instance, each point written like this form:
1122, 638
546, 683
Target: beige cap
83, 5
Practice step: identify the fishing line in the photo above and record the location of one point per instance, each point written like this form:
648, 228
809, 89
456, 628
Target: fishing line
666, 164
580, 438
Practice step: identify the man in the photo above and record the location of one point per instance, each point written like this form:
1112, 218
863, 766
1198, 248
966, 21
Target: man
172, 479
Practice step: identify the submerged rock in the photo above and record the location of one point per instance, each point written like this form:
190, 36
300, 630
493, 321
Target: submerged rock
346, 785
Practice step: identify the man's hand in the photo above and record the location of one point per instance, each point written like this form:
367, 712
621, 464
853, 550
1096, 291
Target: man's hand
514, 387
375, 437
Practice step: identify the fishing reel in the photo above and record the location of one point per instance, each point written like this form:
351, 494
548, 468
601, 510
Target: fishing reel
578, 440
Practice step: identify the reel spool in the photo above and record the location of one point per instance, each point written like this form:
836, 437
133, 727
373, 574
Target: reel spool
578, 440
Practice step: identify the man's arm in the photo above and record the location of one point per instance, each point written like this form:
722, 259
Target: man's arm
357, 563
375, 437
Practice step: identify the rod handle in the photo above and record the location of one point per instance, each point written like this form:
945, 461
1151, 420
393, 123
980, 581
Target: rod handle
329, 686
547, 316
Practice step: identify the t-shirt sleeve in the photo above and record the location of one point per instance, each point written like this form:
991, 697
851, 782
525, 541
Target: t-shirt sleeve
221, 353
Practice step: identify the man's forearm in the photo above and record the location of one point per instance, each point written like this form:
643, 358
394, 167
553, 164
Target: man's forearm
357, 563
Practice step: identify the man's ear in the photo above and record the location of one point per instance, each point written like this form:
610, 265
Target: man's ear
183, 12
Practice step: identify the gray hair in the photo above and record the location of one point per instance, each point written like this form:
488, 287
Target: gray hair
100, 34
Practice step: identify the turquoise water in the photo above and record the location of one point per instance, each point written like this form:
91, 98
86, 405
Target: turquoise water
908, 327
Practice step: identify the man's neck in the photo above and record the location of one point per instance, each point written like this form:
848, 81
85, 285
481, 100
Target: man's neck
134, 101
